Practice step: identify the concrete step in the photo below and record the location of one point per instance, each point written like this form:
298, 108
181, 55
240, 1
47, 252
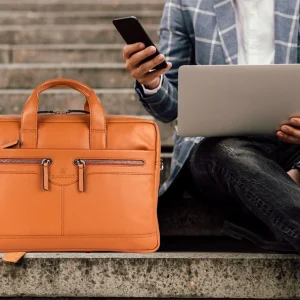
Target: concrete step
5, 54
80, 5
106, 75
99, 53
77, 17
116, 101
159, 275
65, 34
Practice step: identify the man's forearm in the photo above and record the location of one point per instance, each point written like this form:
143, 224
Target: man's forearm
162, 105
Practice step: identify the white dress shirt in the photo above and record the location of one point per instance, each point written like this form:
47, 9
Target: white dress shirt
255, 31
255, 34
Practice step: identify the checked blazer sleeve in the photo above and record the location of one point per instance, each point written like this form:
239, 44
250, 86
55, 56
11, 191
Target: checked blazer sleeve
176, 45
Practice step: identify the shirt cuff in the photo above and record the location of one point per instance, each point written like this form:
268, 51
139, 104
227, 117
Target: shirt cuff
148, 92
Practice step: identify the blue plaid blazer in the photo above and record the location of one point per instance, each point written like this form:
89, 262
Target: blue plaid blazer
203, 32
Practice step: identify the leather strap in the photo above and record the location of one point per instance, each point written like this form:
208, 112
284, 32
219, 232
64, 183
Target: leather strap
13, 257
29, 132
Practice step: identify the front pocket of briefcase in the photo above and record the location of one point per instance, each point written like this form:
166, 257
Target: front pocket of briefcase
26, 209
119, 199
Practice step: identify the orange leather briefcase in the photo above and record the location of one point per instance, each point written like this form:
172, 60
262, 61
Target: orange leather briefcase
83, 182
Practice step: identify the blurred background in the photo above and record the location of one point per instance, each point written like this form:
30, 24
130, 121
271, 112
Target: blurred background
45, 39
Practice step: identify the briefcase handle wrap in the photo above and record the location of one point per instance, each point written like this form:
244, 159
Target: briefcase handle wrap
29, 126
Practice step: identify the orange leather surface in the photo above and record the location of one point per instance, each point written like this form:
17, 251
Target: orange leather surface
106, 203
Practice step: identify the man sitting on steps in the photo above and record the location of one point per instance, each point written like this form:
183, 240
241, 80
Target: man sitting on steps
264, 173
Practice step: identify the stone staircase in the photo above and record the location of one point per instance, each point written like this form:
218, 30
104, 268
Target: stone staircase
44, 39
40, 40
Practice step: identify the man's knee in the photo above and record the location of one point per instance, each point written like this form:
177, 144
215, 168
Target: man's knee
228, 149
233, 153
236, 155
216, 151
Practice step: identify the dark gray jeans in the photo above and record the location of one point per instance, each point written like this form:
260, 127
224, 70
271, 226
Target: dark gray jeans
253, 171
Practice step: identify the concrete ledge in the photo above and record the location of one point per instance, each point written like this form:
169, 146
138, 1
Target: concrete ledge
187, 275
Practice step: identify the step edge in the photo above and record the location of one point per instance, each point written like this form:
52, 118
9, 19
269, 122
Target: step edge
66, 91
164, 255
50, 27
63, 66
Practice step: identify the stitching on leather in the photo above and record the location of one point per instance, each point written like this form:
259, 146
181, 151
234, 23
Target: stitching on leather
63, 185
137, 236
119, 173
22, 119
27, 130
156, 144
91, 127
91, 124
98, 130
96, 173
62, 210
105, 133
156, 174
87, 249
119, 166
20, 172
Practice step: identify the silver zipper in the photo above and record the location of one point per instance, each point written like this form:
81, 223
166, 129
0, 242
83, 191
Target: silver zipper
43, 162
24, 161
162, 166
111, 162
108, 162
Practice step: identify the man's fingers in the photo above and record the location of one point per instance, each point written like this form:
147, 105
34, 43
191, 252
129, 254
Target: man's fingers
290, 133
129, 50
158, 73
288, 138
295, 122
135, 54
144, 69
289, 130
153, 75
138, 57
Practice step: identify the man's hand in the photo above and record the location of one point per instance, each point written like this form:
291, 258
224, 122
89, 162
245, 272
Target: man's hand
295, 175
134, 54
290, 133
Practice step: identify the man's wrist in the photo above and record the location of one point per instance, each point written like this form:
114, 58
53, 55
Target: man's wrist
149, 92
154, 85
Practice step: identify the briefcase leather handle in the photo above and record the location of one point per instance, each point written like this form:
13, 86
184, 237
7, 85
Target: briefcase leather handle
29, 132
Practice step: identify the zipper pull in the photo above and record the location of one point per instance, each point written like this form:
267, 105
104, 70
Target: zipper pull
162, 165
45, 163
81, 165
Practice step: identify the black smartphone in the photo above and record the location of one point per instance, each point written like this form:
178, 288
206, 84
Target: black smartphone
133, 32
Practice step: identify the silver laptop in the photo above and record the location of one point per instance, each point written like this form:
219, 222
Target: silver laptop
237, 100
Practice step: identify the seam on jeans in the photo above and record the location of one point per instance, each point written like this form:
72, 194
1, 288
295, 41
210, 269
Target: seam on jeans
216, 178
278, 222
203, 164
